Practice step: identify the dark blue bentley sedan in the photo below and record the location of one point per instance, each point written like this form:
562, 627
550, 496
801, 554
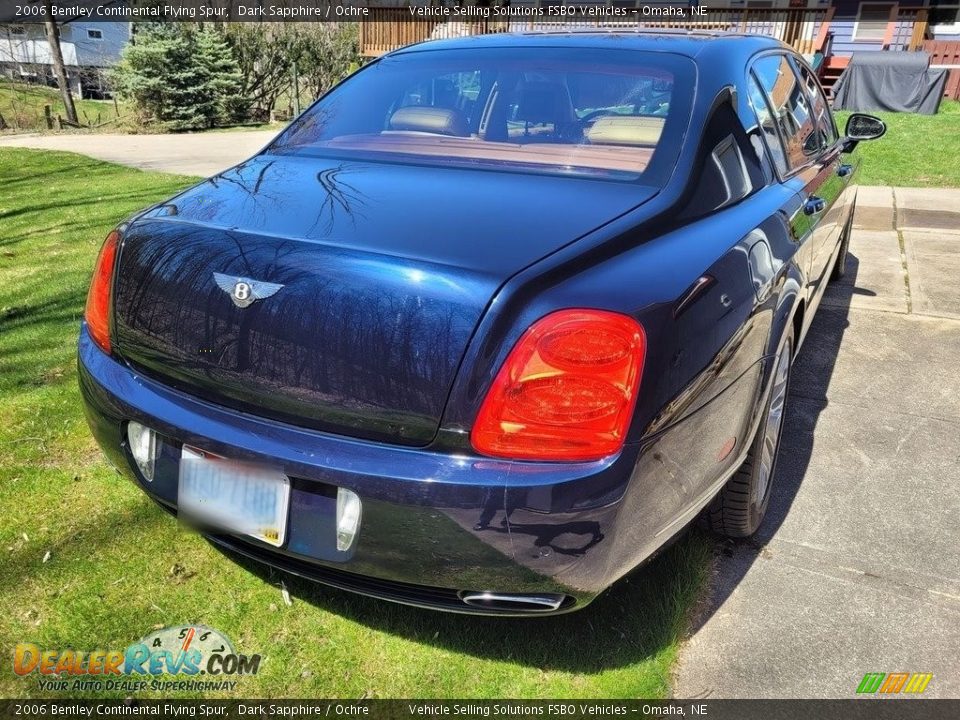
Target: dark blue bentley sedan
488, 324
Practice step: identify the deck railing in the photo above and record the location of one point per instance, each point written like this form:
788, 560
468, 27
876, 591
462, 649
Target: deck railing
906, 28
388, 28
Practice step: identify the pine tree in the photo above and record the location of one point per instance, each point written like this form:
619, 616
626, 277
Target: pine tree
192, 104
223, 80
182, 77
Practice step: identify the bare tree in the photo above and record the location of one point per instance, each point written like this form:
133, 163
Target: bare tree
56, 57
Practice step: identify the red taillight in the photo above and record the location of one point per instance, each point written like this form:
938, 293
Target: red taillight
566, 391
97, 313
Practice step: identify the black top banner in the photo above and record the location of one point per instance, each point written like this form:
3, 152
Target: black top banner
708, 13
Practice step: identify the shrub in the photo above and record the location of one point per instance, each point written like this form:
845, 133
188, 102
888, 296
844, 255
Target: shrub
185, 78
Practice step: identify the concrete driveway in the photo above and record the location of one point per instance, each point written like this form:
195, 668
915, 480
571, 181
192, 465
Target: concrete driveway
201, 154
856, 568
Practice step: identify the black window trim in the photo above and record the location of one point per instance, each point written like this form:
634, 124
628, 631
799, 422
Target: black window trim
752, 77
752, 74
791, 171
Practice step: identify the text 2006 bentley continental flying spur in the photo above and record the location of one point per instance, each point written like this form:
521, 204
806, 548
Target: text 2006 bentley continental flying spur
490, 323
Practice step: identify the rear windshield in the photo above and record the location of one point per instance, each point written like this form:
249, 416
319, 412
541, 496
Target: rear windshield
608, 113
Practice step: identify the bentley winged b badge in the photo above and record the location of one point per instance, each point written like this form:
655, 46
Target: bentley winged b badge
244, 291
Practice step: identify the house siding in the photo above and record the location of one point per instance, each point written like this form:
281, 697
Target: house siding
845, 20
78, 48
842, 27
104, 52
26, 56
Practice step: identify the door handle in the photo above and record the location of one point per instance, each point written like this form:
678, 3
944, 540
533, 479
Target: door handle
845, 171
814, 205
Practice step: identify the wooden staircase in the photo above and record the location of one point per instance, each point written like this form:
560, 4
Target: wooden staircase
830, 71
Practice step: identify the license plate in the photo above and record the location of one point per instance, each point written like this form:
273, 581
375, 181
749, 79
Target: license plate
240, 497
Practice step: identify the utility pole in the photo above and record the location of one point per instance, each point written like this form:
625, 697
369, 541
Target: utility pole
59, 70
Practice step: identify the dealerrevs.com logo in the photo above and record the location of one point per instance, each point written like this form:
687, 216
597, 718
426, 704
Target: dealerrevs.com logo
894, 683
187, 651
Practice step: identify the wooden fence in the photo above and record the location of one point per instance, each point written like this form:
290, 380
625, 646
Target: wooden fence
946, 54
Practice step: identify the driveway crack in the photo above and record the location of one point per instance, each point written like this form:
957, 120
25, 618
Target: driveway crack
940, 590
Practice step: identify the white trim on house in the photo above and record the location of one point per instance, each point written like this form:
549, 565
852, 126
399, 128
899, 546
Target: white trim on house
946, 28
856, 24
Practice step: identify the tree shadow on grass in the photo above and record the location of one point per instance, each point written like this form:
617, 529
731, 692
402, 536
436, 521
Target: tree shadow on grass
95, 224
640, 617
55, 309
32, 179
49, 320
79, 202
101, 531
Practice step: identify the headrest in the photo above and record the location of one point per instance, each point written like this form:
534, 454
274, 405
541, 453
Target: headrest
544, 102
625, 130
439, 121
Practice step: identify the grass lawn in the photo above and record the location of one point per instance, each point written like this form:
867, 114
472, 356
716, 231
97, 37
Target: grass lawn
22, 108
917, 151
87, 562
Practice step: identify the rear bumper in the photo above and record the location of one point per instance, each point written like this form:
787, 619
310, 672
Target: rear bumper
434, 525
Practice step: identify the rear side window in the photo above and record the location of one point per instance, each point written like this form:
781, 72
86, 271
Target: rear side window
767, 124
790, 107
822, 117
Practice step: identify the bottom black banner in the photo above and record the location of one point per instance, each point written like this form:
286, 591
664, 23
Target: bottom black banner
854, 709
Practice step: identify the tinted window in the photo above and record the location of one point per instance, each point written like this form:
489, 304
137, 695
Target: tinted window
822, 116
790, 108
767, 124
606, 113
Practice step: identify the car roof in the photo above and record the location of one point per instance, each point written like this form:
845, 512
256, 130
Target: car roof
706, 46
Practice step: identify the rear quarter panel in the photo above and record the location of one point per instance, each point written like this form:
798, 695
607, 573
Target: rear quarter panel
703, 372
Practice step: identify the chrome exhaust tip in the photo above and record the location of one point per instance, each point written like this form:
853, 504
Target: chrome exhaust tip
507, 602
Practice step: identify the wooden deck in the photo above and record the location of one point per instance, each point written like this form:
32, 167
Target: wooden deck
389, 28
806, 30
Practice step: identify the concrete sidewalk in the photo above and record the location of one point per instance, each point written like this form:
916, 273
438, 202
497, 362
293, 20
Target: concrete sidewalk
857, 567
202, 154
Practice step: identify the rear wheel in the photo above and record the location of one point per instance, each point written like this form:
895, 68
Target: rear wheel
739, 508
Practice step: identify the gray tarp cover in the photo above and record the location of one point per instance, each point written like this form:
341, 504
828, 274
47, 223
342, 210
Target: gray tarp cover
897, 81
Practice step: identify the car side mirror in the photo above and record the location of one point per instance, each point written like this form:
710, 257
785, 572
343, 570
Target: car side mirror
861, 126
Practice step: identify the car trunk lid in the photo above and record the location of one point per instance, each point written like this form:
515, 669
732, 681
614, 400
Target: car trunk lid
335, 295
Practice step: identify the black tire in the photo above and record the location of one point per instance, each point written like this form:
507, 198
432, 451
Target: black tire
738, 509
840, 266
